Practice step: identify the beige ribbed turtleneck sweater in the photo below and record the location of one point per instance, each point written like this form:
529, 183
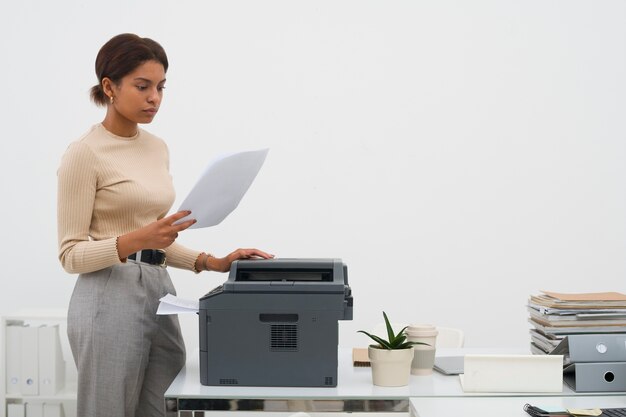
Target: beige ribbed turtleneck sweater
109, 186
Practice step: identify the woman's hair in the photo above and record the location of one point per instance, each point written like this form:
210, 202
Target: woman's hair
120, 56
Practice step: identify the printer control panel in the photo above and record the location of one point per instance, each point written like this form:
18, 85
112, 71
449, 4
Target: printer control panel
216, 290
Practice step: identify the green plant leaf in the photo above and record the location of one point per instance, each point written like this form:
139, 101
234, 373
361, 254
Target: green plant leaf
389, 329
366, 333
396, 341
401, 332
383, 343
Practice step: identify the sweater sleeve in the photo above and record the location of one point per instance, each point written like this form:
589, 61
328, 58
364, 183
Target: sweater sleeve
77, 184
181, 257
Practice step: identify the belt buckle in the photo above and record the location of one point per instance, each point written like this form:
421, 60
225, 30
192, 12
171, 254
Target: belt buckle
163, 264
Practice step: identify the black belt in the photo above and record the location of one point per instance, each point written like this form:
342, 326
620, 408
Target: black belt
149, 256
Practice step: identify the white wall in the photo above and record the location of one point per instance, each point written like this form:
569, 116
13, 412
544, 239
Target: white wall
458, 155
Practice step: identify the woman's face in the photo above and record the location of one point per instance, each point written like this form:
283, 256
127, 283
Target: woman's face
138, 95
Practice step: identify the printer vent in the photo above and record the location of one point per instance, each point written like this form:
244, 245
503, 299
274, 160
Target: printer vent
284, 337
229, 381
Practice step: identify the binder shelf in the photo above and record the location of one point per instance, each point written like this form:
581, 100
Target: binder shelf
38, 372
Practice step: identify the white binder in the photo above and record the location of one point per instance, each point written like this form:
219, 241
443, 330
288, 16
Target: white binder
13, 358
15, 410
53, 410
29, 381
596, 376
579, 348
34, 409
51, 363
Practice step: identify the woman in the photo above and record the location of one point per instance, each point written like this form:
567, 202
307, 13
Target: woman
114, 191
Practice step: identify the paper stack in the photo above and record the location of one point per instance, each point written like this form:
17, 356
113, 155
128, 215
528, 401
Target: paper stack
555, 316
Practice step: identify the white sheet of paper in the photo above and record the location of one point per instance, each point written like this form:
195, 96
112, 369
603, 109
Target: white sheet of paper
222, 186
170, 304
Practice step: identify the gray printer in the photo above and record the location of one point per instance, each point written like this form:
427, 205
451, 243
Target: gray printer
274, 323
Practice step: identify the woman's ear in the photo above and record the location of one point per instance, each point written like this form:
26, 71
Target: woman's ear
107, 87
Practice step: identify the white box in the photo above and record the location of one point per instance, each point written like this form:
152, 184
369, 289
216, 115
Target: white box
513, 373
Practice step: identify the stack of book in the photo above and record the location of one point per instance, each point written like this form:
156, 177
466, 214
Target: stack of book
555, 316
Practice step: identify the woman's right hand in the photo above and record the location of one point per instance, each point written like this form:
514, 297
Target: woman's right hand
223, 264
157, 235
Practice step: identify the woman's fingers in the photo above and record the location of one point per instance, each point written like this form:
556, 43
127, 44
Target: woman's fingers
184, 225
253, 253
172, 220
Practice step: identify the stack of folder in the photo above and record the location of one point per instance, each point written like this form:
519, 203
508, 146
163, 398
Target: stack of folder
555, 315
589, 330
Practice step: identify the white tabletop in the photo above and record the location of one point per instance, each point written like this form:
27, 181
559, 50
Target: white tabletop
352, 383
506, 406
425, 396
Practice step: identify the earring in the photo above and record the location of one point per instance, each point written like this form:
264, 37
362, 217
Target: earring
111, 99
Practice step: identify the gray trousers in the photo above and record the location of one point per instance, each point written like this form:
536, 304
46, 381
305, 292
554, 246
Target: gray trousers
126, 355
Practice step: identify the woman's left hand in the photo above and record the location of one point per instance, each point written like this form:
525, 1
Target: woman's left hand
223, 264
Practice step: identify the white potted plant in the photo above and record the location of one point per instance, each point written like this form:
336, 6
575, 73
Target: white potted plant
390, 358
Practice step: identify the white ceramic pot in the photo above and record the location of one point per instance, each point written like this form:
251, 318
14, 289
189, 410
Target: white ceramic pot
390, 368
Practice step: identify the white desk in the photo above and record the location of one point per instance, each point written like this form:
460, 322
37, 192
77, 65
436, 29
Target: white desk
505, 406
354, 392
